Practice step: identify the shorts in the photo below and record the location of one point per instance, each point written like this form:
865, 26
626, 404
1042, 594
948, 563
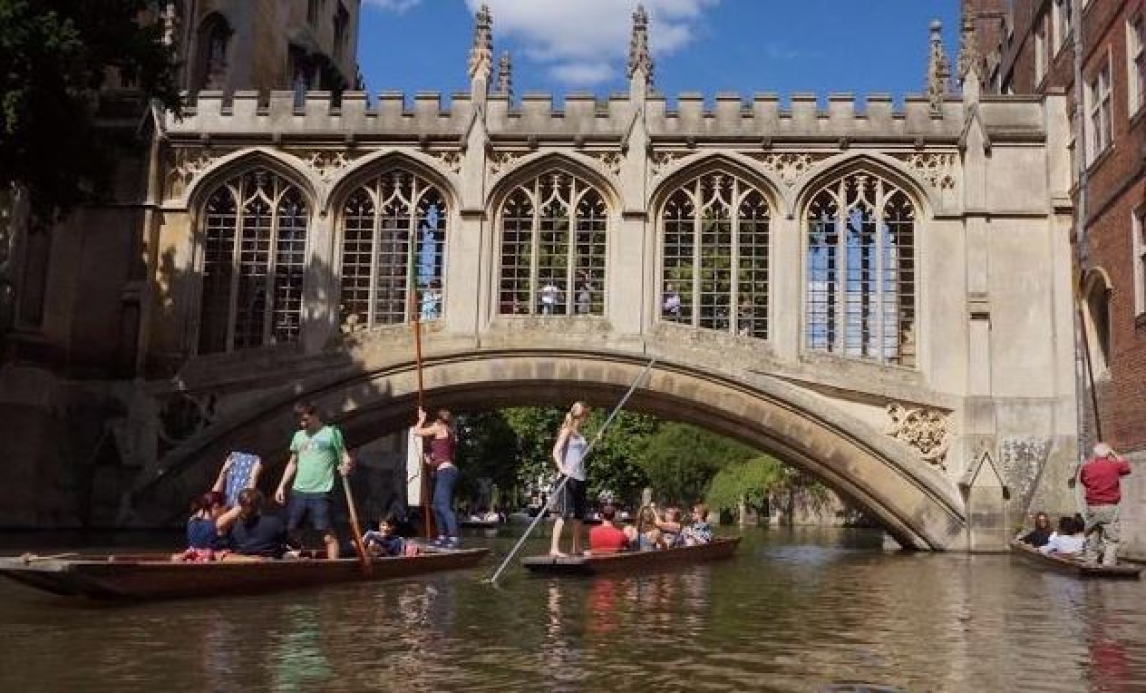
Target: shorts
572, 502
314, 507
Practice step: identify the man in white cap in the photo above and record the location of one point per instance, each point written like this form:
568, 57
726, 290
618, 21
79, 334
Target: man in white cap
1102, 476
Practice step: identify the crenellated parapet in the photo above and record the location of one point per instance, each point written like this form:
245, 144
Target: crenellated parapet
763, 120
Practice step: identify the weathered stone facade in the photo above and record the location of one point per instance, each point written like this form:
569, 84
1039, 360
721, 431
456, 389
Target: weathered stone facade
1034, 52
898, 322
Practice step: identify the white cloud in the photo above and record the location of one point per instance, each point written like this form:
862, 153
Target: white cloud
395, 6
585, 42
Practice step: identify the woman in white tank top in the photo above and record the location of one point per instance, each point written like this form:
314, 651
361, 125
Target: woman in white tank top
569, 456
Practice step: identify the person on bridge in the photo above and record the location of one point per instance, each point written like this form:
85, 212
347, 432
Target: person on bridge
316, 451
443, 447
568, 455
606, 537
1102, 476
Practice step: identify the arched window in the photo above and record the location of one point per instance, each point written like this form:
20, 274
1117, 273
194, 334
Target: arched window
212, 48
553, 231
715, 256
1097, 325
254, 258
860, 266
393, 247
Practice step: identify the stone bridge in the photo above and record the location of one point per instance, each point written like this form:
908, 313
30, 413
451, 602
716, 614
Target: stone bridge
877, 294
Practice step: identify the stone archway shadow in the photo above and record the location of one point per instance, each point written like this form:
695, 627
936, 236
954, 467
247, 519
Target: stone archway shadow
919, 506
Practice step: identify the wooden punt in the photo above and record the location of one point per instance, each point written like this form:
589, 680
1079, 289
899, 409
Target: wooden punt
631, 561
1075, 567
151, 576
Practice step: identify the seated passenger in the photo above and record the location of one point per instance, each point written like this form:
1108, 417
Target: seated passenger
1068, 541
668, 527
253, 533
700, 531
1041, 534
606, 537
385, 541
203, 536
643, 535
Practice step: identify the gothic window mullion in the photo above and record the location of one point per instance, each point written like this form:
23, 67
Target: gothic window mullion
535, 246
411, 248
375, 244
571, 251
269, 282
734, 256
697, 253
878, 284
236, 264
841, 271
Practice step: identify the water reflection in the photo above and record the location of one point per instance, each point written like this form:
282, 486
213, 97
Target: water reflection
801, 611
297, 660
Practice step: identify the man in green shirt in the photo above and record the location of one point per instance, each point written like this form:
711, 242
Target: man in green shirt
316, 451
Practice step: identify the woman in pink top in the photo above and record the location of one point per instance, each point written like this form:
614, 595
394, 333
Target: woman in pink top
443, 446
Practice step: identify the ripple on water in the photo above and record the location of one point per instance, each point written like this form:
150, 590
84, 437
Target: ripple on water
793, 612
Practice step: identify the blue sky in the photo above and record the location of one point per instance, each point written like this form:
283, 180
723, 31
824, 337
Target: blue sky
708, 46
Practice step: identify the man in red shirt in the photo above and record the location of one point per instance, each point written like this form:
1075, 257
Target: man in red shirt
1102, 476
606, 537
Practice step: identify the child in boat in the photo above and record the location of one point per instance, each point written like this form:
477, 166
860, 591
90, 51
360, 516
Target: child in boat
1068, 541
204, 539
700, 531
385, 541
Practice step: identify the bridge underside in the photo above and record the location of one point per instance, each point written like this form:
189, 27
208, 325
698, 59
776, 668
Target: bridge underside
916, 504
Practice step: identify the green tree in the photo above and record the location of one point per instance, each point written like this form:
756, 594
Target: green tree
614, 465
680, 460
747, 483
487, 449
55, 57
535, 428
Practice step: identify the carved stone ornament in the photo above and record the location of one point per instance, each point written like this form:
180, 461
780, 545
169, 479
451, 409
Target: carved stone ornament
611, 161
923, 429
937, 168
186, 165
1021, 459
500, 161
326, 163
451, 160
662, 160
788, 166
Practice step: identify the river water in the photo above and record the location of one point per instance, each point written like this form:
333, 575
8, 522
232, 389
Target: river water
799, 610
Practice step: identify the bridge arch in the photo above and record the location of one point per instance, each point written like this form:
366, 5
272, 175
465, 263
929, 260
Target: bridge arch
918, 505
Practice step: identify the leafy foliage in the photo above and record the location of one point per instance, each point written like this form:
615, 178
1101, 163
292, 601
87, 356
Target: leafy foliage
54, 59
680, 460
487, 449
750, 482
535, 428
614, 464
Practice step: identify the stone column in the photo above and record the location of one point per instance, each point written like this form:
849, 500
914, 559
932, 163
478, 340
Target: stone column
786, 304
